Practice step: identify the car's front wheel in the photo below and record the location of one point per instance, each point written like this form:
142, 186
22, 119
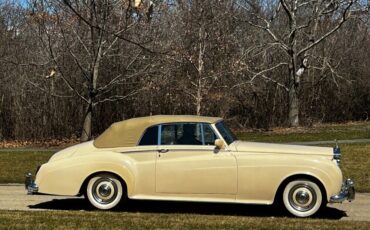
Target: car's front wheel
302, 197
104, 191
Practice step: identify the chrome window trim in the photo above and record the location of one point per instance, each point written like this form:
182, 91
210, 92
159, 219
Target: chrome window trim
139, 151
170, 149
219, 136
214, 131
159, 138
202, 131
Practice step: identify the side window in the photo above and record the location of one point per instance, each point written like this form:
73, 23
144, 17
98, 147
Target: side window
209, 135
225, 132
168, 135
181, 134
150, 136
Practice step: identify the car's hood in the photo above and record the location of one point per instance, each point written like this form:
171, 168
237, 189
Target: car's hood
68, 152
255, 147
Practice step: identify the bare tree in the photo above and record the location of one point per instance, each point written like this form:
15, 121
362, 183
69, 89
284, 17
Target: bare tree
66, 64
306, 25
89, 33
204, 41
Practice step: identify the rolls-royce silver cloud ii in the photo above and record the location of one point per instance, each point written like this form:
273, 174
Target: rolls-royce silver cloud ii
192, 158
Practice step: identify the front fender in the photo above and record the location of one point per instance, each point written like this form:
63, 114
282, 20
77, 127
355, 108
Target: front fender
260, 175
329, 175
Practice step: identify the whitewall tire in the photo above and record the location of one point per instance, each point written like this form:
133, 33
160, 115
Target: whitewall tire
302, 198
104, 191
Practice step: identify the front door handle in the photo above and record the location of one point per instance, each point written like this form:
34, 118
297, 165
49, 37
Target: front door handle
163, 150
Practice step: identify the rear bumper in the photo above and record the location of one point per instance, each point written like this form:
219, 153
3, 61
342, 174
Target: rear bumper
346, 193
30, 184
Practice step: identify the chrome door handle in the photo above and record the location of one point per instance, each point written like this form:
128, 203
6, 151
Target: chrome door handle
163, 150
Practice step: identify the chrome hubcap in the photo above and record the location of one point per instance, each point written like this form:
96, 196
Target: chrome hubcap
302, 197
104, 190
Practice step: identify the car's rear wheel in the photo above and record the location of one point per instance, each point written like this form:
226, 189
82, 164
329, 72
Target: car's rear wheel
302, 197
104, 191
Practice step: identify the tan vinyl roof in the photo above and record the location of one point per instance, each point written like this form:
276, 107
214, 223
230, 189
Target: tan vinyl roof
128, 132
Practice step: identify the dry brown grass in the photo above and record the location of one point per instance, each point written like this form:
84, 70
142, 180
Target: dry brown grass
44, 143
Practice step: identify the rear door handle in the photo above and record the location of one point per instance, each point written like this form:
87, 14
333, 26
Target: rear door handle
163, 150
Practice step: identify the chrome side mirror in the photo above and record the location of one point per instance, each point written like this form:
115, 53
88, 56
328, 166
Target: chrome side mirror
220, 144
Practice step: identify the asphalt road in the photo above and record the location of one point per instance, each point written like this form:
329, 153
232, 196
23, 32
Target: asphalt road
13, 197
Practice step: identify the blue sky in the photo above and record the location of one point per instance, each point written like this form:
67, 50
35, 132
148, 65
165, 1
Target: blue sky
23, 2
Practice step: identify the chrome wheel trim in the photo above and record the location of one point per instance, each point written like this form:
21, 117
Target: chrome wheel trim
302, 198
104, 191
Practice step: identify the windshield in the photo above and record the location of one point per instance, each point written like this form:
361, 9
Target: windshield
226, 133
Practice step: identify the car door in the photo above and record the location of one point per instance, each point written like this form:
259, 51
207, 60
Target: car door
190, 165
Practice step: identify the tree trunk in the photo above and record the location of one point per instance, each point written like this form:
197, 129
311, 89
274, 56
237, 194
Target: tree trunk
198, 104
202, 48
294, 79
87, 126
1, 109
293, 106
86, 129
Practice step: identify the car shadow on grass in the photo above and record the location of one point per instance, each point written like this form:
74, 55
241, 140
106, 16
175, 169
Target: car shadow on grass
141, 206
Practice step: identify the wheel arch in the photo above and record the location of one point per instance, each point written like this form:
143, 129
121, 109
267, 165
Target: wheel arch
83, 187
279, 191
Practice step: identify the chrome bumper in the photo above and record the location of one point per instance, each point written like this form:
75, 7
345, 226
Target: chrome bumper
30, 185
346, 193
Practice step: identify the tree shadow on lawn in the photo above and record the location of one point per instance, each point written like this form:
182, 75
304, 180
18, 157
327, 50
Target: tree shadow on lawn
204, 208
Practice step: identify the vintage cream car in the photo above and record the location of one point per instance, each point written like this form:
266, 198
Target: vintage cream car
192, 158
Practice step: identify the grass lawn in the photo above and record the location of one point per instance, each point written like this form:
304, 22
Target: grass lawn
125, 220
325, 132
356, 164
14, 165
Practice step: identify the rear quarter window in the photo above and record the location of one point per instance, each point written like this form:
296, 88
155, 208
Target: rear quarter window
150, 136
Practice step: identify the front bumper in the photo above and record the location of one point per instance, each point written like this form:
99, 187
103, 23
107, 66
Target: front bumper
346, 193
30, 184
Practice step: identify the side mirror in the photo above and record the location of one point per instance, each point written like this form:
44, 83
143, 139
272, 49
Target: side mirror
220, 144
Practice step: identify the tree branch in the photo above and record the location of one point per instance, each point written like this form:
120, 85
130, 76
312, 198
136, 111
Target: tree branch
343, 19
47, 91
116, 34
